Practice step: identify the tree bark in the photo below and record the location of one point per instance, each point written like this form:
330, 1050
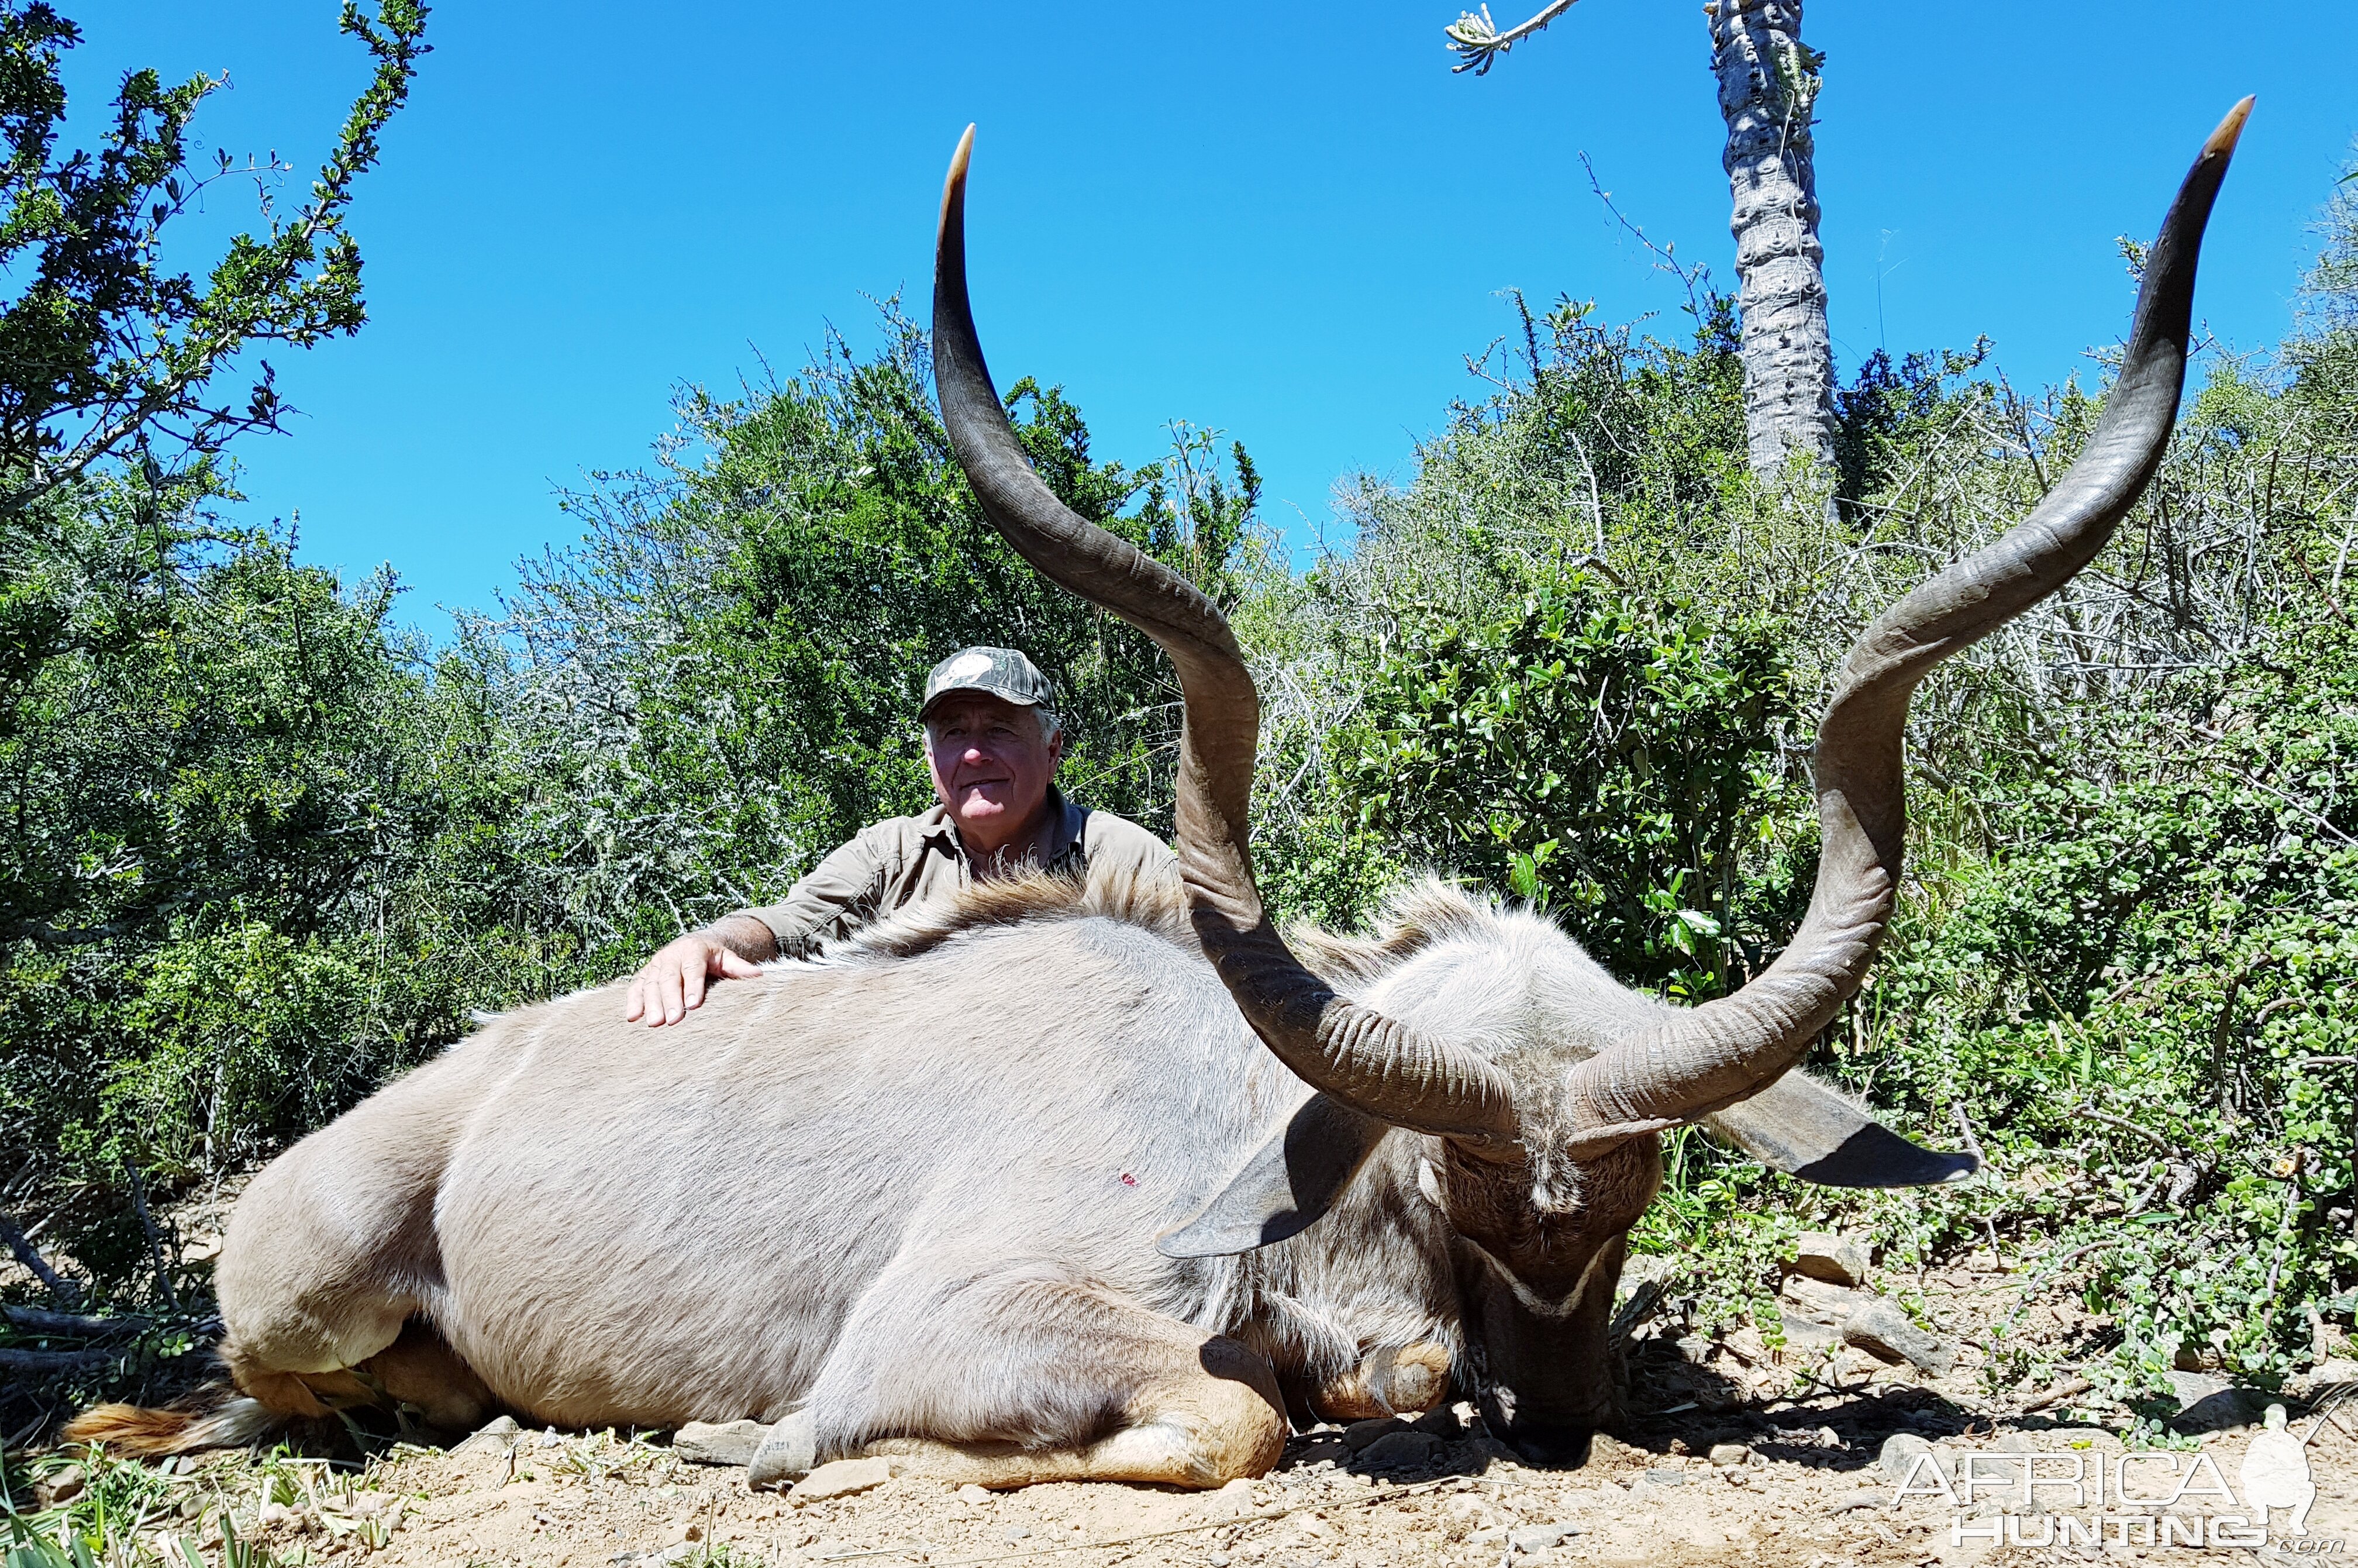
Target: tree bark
1767, 86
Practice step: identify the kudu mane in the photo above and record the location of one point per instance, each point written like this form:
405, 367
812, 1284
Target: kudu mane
1412, 917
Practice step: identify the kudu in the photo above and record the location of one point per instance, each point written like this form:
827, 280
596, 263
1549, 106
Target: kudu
1030, 1189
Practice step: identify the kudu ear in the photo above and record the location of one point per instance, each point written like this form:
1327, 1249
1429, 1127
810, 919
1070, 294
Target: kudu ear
1799, 1126
1284, 1186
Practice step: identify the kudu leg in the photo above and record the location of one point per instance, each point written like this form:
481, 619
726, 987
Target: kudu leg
331, 1257
416, 1369
1389, 1380
1031, 1374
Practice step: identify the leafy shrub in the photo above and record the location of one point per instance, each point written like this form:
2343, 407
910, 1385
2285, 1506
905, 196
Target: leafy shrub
1589, 754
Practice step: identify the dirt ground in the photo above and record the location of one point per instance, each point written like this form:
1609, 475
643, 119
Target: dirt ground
1735, 1454
1811, 1497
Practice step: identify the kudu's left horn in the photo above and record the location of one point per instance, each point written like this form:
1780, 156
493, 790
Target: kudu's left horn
1367, 1061
1728, 1049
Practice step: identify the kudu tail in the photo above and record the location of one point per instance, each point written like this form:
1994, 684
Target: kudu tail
216, 1417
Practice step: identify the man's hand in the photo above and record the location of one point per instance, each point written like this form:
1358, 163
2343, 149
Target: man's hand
675, 979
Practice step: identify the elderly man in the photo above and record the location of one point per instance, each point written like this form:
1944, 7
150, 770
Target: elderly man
992, 741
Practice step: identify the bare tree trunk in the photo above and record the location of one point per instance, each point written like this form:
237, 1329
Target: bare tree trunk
1768, 84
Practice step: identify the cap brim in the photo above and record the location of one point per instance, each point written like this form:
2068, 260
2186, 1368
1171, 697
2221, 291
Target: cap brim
950, 691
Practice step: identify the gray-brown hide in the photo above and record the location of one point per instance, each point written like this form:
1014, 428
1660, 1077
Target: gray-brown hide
1031, 1190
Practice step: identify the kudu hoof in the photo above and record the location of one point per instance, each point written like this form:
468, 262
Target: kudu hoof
787, 1453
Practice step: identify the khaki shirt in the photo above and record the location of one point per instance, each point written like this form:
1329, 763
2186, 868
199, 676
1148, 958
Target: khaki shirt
916, 861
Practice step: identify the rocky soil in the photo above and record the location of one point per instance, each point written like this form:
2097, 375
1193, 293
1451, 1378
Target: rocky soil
1808, 1495
1736, 1453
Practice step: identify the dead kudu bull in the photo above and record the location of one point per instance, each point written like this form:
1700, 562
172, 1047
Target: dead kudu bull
1027, 1191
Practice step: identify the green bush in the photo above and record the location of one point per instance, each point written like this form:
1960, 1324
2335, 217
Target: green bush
1604, 758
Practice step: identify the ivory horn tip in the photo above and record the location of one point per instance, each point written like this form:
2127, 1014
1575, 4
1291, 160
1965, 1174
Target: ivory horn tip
954, 183
2222, 140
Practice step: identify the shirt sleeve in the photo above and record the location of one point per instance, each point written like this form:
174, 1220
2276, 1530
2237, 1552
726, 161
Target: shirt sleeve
840, 894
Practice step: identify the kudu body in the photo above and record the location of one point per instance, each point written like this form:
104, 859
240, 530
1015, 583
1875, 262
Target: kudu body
1026, 1190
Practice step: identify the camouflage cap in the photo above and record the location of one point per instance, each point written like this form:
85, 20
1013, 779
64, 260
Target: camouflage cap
996, 672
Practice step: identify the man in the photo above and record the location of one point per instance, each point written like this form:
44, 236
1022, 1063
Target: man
992, 741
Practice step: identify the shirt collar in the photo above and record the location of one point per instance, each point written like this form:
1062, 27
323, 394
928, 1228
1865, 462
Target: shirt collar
1066, 822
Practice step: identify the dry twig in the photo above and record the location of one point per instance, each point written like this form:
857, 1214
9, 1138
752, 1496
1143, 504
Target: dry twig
64, 1289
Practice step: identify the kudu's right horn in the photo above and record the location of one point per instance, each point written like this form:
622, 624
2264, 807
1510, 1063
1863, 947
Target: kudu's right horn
1362, 1058
1718, 1053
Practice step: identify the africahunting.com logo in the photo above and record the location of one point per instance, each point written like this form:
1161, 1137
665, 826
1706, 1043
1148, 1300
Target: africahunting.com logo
2074, 1497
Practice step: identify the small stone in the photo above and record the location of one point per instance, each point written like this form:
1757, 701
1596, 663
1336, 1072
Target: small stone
1808, 1339
1726, 1453
1538, 1537
718, 1442
1232, 1501
60, 1485
1850, 1501
1822, 1255
1604, 1450
1881, 1329
840, 1478
493, 1436
1660, 1477
1360, 1433
2325, 1375
970, 1493
1015, 1532
1402, 1448
1900, 1452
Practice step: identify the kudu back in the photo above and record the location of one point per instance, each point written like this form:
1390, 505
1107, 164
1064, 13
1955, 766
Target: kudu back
1068, 1183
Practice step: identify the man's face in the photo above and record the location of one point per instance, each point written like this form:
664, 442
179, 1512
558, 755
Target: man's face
990, 765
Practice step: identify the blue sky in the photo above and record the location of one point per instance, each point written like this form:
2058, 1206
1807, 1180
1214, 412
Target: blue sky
1288, 222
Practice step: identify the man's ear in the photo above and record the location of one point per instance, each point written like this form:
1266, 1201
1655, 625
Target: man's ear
1284, 1186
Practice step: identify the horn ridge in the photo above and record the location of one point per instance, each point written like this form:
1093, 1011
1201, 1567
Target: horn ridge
1358, 1056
